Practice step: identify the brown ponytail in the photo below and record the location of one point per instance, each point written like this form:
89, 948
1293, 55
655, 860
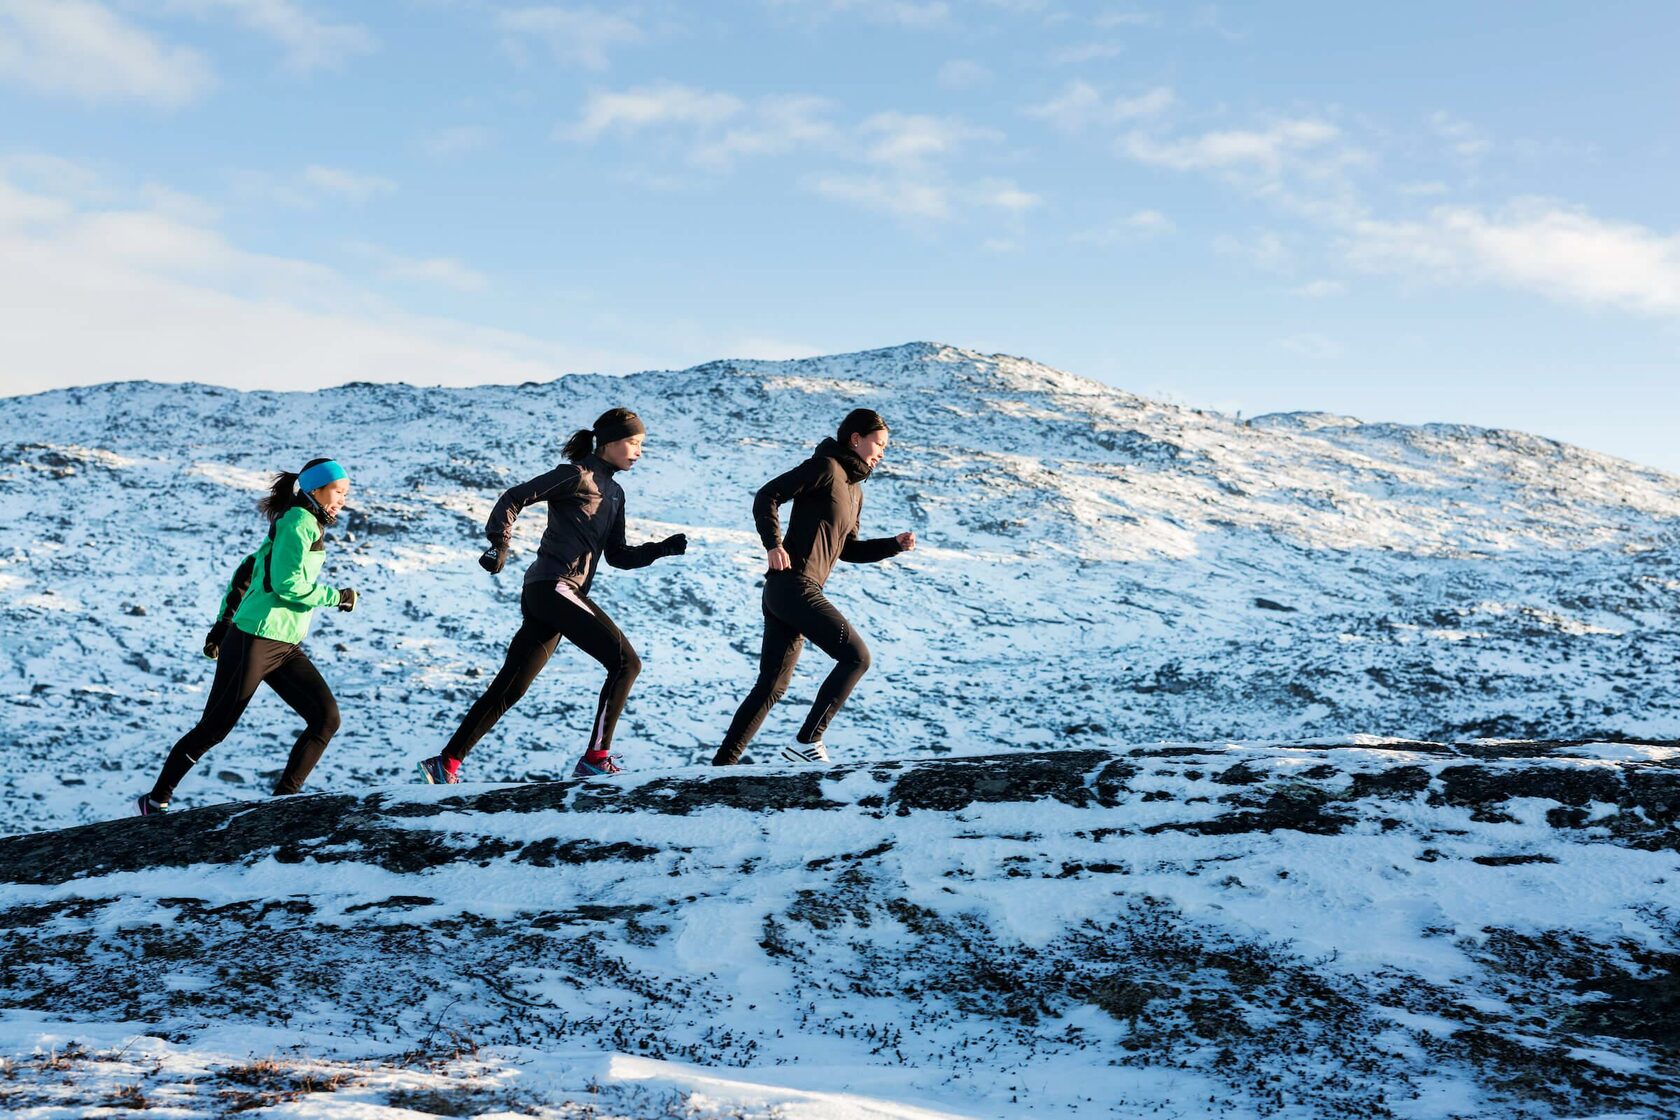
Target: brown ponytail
580, 445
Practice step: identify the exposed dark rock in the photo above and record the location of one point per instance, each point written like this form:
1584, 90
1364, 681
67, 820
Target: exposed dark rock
1111, 782
1293, 805
1401, 781
552, 851
952, 784
1480, 785
1242, 774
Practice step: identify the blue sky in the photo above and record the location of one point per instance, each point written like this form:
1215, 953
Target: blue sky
1412, 212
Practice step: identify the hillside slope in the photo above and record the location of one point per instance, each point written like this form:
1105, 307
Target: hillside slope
1096, 569
1358, 931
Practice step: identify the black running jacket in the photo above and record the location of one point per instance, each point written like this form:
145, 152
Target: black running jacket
827, 495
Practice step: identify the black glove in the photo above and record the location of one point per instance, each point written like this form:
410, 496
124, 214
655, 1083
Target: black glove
213, 640
346, 599
674, 545
492, 559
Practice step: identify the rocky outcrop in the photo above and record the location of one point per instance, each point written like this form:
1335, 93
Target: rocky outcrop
1339, 928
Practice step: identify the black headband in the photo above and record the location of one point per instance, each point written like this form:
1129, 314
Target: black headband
623, 429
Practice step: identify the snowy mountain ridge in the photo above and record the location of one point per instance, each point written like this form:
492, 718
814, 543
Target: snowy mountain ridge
1292, 767
1094, 567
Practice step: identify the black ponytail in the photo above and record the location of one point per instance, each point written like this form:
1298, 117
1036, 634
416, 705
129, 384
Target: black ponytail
283, 493
580, 445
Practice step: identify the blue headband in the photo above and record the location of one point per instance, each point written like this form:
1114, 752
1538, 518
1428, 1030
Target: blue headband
320, 475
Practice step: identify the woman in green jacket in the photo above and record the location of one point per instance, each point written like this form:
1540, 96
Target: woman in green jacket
259, 631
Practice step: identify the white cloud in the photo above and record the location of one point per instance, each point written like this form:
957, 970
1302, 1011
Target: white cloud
1086, 52
97, 294
52, 175
1264, 250
310, 43
444, 271
922, 200
895, 163
1208, 19
1139, 225
82, 49
1310, 344
574, 36
775, 125
1150, 221
1147, 104
22, 210
963, 74
1081, 105
1465, 140
1420, 189
910, 139
1127, 19
906, 199
1534, 245
308, 188
456, 140
720, 127
649, 106
353, 185
1268, 151
1072, 110
1318, 289
901, 13
1007, 196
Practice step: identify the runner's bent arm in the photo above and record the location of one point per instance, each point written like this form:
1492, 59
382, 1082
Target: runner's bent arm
802, 479
236, 588
871, 551
559, 482
621, 555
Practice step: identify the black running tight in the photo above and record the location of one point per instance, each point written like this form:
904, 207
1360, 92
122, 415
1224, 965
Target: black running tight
243, 664
554, 610
796, 609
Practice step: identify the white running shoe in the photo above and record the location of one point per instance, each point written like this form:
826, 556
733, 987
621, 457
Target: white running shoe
814, 753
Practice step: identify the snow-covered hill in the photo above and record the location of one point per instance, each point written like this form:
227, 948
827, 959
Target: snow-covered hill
1310, 768
1341, 932
1095, 568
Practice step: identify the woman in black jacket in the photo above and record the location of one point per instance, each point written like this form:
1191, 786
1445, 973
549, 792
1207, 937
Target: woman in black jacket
827, 503
585, 523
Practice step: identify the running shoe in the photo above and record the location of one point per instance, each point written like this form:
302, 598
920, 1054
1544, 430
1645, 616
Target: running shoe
814, 753
607, 765
437, 773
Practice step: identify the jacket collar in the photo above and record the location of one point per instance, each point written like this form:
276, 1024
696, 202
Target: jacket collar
595, 464
314, 508
856, 469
